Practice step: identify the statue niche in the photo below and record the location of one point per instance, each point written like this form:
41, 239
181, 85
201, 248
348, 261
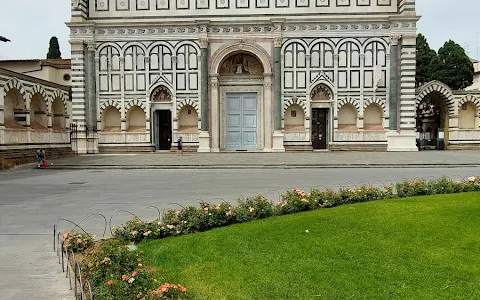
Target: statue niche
241, 64
321, 93
162, 94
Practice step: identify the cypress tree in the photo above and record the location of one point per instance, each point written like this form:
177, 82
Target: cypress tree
54, 49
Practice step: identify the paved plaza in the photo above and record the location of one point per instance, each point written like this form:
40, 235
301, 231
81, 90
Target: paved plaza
274, 160
31, 201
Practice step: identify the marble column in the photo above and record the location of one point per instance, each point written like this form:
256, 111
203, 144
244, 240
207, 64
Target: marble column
204, 136
393, 93
91, 99
278, 133
215, 101
267, 94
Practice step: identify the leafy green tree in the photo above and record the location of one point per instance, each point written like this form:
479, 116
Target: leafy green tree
425, 57
453, 66
54, 49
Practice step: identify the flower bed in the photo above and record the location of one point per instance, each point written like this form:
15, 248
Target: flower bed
114, 266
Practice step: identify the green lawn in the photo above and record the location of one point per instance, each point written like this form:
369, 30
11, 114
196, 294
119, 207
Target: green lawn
413, 248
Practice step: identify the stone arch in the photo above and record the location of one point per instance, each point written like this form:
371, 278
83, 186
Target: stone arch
380, 102
349, 100
59, 113
354, 41
136, 102
347, 117
109, 103
294, 121
187, 123
130, 44
14, 83
225, 51
61, 95
295, 41
470, 98
38, 89
111, 119
39, 110
160, 87
438, 88
136, 119
373, 116
187, 102
109, 44
322, 82
294, 100
321, 40
194, 45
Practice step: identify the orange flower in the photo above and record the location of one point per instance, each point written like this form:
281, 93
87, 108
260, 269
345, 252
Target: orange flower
124, 277
134, 273
139, 259
110, 282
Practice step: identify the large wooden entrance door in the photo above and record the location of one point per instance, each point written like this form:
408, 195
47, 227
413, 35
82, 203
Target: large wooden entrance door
319, 128
241, 122
163, 124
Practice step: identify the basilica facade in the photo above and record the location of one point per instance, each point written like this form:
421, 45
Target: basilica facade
244, 75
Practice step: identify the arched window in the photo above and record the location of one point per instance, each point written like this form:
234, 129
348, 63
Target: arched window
373, 117
136, 121
109, 69
38, 113
347, 118
14, 104
188, 119
467, 115
111, 120
294, 118
294, 65
58, 114
375, 65
134, 69
349, 65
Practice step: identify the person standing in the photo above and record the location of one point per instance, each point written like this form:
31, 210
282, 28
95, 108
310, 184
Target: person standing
179, 146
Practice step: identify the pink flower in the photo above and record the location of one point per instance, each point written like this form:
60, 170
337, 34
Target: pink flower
110, 282
124, 277
251, 209
170, 226
134, 232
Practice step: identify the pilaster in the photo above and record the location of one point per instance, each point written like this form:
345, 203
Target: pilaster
278, 136
215, 101
204, 136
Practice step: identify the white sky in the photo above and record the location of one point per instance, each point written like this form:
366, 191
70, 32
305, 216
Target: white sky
31, 23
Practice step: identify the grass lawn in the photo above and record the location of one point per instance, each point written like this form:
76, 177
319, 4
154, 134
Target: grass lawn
413, 248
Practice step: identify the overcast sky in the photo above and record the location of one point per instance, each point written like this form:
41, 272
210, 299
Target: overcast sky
31, 23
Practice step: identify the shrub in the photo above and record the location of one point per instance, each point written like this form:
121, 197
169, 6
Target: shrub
136, 230
170, 291
253, 208
294, 201
77, 242
116, 272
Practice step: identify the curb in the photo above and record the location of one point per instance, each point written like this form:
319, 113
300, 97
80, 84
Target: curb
273, 166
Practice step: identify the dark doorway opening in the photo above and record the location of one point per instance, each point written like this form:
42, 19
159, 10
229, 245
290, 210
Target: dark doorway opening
432, 123
319, 128
163, 126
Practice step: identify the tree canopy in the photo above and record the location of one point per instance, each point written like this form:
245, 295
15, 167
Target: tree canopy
425, 57
54, 49
451, 65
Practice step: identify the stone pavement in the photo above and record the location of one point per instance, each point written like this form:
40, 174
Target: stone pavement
271, 160
31, 201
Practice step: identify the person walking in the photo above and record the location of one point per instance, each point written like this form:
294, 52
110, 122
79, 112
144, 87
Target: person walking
41, 158
179, 146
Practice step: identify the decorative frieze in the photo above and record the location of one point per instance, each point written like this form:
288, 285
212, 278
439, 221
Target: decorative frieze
250, 29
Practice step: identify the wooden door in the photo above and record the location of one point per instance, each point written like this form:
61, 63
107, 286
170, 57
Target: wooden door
319, 128
164, 129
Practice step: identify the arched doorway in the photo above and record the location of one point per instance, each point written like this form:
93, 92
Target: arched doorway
434, 105
321, 99
162, 100
241, 99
